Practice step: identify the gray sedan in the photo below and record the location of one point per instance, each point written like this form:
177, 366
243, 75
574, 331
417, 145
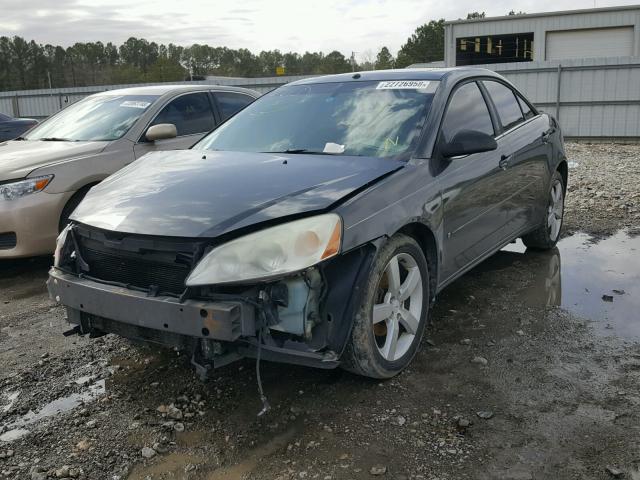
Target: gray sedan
45, 174
11, 128
318, 225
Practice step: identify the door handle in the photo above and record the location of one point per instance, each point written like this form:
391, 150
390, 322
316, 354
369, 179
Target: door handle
504, 161
546, 136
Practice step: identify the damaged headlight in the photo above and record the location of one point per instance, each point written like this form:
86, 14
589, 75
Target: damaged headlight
60, 242
10, 191
272, 252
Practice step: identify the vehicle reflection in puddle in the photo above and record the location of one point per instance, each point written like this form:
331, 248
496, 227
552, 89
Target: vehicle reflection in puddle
596, 279
17, 429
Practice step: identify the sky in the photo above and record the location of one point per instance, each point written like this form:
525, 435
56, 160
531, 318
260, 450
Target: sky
360, 26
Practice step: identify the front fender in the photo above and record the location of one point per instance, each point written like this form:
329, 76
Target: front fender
346, 277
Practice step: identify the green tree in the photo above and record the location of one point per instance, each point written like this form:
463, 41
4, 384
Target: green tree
335, 62
292, 63
27, 64
269, 61
425, 45
139, 53
384, 59
310, 63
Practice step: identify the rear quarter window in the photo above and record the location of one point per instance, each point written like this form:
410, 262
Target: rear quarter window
526, 109
506, 103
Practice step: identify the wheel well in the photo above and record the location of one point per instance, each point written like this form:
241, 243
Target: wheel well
427, 241
81, 192
564, 172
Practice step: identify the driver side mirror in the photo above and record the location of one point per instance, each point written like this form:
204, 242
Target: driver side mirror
466, 142
162, 131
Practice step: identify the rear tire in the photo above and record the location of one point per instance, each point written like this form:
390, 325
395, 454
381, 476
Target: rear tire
547, 235
390, 322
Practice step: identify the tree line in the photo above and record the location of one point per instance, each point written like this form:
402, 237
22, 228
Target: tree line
29, 65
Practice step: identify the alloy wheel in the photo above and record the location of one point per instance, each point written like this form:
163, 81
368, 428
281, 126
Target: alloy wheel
398, 308
555, 210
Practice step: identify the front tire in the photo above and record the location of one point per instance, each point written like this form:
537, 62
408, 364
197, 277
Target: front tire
389, 324
547, 235
71, 205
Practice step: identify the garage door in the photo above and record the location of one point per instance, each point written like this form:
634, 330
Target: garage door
600, 42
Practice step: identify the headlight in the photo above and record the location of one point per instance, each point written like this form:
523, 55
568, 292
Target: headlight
60, 241
24, 187
275, 251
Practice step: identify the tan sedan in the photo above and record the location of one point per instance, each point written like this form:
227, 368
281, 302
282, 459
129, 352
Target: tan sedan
45, 174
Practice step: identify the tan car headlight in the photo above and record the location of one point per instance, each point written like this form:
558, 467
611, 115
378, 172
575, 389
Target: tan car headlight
13, 190
272, 252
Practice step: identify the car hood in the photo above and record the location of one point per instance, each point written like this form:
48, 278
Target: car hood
205, 194
20, 157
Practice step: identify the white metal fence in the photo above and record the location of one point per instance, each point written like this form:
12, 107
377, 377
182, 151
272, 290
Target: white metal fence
592, 98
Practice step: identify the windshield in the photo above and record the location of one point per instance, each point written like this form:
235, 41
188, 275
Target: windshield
99, 117
378, 119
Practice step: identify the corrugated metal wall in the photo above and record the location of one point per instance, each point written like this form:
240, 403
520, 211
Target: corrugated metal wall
597, 97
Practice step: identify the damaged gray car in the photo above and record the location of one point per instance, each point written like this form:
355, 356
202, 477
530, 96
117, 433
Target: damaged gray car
317, 226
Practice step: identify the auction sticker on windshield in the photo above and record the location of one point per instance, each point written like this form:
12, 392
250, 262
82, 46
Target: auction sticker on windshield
403, 84
135, 104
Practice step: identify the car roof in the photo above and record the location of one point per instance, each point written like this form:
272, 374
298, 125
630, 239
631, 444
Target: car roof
164, 89
399, 74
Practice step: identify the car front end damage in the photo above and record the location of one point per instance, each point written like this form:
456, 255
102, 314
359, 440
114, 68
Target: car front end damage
136, 286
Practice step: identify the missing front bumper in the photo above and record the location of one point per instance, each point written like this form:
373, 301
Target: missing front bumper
223, 321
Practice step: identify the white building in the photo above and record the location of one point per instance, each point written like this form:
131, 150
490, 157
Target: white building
575, 34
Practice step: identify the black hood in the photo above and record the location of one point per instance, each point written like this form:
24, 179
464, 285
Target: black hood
205, 194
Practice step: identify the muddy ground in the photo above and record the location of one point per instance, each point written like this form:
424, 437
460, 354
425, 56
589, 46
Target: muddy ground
526, 372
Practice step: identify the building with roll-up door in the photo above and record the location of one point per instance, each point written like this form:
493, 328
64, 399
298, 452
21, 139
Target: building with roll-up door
550, 36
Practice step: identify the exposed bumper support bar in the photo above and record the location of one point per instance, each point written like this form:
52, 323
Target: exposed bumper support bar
225, 321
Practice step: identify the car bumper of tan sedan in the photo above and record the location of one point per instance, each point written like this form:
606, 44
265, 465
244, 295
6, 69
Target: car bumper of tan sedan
29, 225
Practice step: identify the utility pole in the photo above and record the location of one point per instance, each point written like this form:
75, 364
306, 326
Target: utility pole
353, 61
49, 78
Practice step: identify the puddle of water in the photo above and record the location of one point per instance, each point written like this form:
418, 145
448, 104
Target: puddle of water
13, 435
83, 380
172, 465
580, 271
60, 405
254, 458
11, 398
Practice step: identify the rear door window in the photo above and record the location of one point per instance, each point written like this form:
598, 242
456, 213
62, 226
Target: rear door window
467, 110
506, 103
190, 113
230, 103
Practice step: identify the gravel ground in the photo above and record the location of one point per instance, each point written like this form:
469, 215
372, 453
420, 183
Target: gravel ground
510, 383
604, 188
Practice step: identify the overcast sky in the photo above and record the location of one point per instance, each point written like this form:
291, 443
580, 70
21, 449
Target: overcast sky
362, 26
